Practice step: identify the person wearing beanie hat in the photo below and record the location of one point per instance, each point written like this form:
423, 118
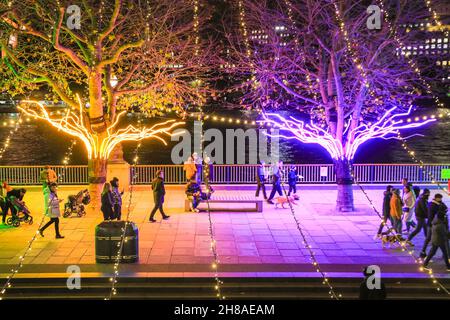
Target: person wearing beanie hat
421, 212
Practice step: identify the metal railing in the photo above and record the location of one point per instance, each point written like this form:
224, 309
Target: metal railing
29, 175
236, 174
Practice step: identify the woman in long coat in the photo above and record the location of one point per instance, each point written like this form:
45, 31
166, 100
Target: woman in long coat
52, 209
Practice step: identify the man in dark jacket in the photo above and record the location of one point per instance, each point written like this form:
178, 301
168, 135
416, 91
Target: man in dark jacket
439, 238
433, 209
260, 180
387, 195
276, 186
421, 211
158, 195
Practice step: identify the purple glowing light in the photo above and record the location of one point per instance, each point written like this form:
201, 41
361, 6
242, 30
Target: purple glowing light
386, 128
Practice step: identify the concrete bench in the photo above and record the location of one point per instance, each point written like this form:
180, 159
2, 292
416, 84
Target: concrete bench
227, 199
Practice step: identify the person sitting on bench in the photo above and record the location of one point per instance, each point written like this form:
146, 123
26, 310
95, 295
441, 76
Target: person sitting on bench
194, 194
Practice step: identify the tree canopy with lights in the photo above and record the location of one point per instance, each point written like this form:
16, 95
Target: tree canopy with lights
352, 83
123, 54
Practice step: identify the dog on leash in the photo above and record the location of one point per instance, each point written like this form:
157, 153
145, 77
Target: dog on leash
390, 240
283, 200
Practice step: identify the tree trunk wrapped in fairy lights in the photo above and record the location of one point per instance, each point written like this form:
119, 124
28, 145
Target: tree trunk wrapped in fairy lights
124, 56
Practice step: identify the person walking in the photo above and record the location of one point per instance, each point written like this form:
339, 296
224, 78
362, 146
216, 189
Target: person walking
52, 209
158, 195
433, 208
421, 213
396, 210
409, 201
260, 180
387, 195
276, 186
117, 196
108, 202
439, 238
292, 180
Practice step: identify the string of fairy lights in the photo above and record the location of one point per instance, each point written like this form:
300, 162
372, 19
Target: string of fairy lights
14, 270
66, 160
113, 279
350, 45
421, 164
438, 285
215, 263
325, 281
435, 16
307, 75
10, 134
400, 45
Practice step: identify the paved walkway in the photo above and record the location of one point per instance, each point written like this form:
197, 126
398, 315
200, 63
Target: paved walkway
248, 243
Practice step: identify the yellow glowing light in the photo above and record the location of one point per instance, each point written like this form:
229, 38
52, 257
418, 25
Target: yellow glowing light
99, 146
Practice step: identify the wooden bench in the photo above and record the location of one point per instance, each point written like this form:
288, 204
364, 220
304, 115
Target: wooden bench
227, 199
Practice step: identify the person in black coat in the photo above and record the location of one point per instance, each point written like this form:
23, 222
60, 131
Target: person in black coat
439, 237
276, 186
433, 209
292, 180
387, 195
107, 202
260, 180
421, 211
158, 196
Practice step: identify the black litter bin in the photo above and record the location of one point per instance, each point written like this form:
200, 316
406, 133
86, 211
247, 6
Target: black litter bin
107, 239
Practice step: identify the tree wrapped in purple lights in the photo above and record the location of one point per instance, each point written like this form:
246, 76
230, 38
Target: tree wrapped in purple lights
320, 59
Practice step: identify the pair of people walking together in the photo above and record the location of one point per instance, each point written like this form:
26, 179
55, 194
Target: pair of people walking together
112, 200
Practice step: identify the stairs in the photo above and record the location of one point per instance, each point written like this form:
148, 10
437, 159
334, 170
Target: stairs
203, 288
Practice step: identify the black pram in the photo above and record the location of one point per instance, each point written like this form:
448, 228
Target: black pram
76, 204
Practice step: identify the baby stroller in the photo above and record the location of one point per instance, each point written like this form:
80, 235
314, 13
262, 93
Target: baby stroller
23, 214
76, 204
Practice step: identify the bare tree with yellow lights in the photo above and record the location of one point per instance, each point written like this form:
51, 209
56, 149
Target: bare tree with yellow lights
111, 57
